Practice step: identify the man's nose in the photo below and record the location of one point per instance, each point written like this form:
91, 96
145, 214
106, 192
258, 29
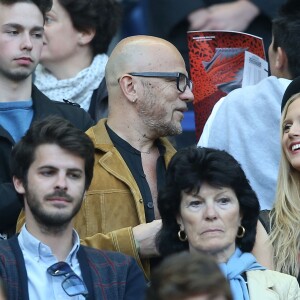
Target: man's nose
187, 95
61, 182
26, 42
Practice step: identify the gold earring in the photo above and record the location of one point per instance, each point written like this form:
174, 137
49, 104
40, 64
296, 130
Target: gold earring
241, 232
182, 236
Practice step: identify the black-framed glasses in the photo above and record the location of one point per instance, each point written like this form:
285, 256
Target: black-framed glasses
181, 79
73, 285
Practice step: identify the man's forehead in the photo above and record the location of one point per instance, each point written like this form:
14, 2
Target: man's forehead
157, 58
21, 13
57, 157
144, 54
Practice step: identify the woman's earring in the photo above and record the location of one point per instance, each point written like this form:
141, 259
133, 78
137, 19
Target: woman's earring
182, 236
241, 232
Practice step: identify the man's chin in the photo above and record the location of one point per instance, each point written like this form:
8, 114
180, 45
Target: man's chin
55, 222
175, 130
20, 76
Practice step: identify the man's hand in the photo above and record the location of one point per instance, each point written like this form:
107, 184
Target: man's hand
230, 16
145, 234
198, 19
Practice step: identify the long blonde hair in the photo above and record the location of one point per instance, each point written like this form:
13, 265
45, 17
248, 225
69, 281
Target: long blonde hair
285, 216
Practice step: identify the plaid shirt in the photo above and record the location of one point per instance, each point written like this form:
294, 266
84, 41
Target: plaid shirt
107, 275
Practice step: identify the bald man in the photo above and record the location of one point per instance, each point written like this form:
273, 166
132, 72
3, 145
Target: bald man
148, 92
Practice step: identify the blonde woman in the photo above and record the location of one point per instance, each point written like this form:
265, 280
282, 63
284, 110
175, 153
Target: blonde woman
285, 217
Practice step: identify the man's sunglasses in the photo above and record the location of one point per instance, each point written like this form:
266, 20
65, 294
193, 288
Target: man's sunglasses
73, 285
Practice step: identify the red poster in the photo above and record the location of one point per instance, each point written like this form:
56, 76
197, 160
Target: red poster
216, 66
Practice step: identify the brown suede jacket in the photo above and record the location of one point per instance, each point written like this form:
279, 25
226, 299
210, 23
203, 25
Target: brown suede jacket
113, 204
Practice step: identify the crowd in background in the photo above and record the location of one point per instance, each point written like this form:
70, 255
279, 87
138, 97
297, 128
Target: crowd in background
105, 191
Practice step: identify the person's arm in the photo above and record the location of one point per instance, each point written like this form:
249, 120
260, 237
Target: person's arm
198, 19
236, 15
144, 236
204, 138
121, 240
263, 250
138, 241
135, 283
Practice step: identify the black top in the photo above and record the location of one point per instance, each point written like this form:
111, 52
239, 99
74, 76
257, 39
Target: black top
264, 218
132, 158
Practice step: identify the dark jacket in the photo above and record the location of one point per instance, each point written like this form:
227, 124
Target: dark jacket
10, 205
99, 103
107, 275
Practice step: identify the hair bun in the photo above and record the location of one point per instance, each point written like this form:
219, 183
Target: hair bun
292, 89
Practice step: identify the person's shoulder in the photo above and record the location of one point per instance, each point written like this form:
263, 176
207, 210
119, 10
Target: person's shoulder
266, 85
268, 284
4, 245
272, 277
43, 107
109, 257
99, 134
267, 91
64, 106
71, 109
7, 251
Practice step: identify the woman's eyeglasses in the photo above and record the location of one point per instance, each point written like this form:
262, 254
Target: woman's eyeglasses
73, 285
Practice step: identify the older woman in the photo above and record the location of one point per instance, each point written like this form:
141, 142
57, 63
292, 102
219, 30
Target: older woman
208, 205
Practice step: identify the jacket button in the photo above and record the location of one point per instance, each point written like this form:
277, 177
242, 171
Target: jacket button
141, 200
150, 204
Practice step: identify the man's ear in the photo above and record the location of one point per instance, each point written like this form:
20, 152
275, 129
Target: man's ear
281, 61
85, 37
128, 86
19, 186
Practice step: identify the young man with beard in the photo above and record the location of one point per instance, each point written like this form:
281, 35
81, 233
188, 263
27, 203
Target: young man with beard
21, 42
52, 167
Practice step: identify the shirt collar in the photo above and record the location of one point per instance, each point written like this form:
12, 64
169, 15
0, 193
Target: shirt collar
126, 146
41, 251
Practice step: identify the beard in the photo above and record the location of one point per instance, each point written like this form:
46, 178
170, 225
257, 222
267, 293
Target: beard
155, 122
155, 116
16, 76
52, 221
